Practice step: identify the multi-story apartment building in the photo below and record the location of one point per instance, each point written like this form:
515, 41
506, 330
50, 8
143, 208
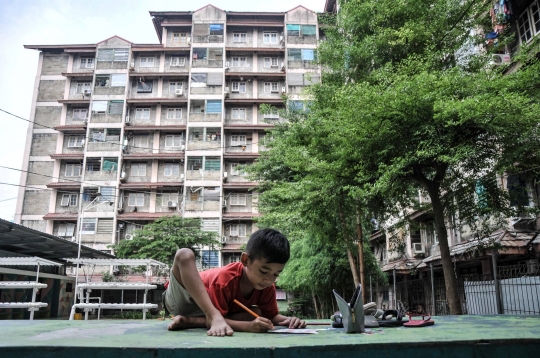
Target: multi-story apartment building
125, 133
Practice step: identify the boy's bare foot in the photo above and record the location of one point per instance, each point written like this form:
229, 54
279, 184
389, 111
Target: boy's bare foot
218, 327
181, 322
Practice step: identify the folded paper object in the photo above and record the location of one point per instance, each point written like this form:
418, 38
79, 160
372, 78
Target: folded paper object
352, 313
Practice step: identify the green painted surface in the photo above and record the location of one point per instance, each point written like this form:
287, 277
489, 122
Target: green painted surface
451, 336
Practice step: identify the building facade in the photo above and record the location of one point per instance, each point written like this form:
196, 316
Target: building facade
125, 133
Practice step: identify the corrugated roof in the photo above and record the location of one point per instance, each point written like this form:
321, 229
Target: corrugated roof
401, 265
61, 216
145, 216
67, 184
150, 185
240, 215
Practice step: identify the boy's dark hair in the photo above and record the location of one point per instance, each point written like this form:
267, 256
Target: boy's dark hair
269, 244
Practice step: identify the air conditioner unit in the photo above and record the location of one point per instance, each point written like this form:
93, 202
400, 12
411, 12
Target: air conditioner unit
227, 90
224, 175
182, 177
171, 204
182, 147
283, 89
128, 237
189, 40
223, 239
224, 204
498, 59
281, 39
283, 66
87, 92
418, 248
178, 91
127, 119
227, 64
132, 66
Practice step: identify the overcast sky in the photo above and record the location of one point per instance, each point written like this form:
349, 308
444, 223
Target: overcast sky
36, 22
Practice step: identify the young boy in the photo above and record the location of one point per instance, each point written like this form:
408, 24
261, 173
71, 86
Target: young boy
205, 299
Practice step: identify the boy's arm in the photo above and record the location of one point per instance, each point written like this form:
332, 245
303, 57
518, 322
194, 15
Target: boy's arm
258, 325
291, 322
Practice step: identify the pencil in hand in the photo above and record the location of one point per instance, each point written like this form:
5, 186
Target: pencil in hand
245, 308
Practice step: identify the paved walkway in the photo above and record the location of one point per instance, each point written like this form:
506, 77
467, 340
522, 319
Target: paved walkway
451, 336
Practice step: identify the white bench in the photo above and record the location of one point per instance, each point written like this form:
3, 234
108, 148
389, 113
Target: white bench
87, 306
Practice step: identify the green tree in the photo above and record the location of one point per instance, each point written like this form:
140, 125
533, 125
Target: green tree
410, 104
161, 239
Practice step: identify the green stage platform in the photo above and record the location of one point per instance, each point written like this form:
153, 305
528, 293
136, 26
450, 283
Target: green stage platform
451, 336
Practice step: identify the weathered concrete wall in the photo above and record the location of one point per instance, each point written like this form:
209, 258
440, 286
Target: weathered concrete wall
36, 202
54, 64
51, 91
138, 178
39, 225
161, 172
47, 116
175, 121
43, 144
209, 13
43, 168
301, 16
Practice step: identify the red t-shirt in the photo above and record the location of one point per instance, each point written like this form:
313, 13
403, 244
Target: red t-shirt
223, 286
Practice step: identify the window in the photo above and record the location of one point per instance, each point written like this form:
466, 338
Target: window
179, 37
238, 113
239, 37
212, 164
239, 87
270, 87
66, 230
238, 230
235, 168
173, 86
178, 61
145, 86
75, 141
301, 30
88, 225
529, 22
136, 199
115, 54
80, 114
118, 80
213, 106
140, 141
238, 139
169, 196
296, 54
107, 193
174, 113
138, 169
116, 107
270, 62
270, 37
146, 62
239, 61
209, 258
173, 141
69, 200
216, 29
142, 113
73, 170
86, 62
237, 199
233, 258
82, 86
171, 169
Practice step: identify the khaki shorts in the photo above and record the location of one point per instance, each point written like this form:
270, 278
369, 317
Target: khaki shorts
179, 302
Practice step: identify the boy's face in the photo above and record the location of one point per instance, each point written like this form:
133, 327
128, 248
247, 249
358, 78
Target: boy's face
260, 273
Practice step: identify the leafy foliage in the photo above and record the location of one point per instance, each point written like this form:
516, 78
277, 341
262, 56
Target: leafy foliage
161, 239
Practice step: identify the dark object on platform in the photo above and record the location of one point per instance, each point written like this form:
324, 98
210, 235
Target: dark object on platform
352, 313
396, 319
337, 320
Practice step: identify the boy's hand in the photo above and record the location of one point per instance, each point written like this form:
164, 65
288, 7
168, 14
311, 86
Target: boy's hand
293, 322
261, 324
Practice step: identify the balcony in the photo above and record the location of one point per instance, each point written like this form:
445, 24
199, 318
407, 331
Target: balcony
203, 175
202, 39
206, 90
207, 63
205, 117
101, 175
203, 206
301, 40
307, 65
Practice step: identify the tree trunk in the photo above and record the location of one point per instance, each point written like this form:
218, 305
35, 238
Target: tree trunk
360, 239
450, 280
315, 304
350, 256
433, 188
353, 267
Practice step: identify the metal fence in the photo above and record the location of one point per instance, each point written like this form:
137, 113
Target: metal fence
514, 290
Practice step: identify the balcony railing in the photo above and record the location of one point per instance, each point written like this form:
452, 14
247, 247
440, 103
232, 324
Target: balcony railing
203, 206
203, 175
207, 63
205, 117
207, 39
